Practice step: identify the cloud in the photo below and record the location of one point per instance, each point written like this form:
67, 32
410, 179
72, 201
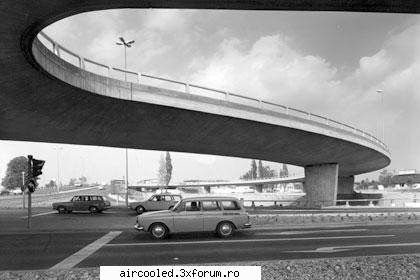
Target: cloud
165, 21
269, 69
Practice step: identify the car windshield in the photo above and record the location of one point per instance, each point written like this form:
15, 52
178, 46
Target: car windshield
154, 198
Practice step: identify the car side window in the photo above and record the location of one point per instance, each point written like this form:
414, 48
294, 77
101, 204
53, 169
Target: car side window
211, 206
230, 205
192, 206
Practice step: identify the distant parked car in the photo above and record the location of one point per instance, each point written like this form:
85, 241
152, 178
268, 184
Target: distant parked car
156, 202
16, 191
222, 215
91, 203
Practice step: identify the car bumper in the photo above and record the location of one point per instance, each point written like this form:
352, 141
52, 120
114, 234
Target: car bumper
138, 228
247, 226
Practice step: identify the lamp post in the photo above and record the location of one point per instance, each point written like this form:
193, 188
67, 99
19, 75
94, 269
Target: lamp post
383, 113
58, 169
126, 45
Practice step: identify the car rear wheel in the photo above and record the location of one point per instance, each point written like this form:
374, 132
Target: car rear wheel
93, 209
140, 210
158, 231
61, 209
225, 229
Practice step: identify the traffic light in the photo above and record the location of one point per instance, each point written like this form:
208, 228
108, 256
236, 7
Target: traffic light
31, 185
37, 167
34, 170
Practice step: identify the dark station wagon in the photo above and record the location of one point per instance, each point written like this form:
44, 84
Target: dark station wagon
91, 203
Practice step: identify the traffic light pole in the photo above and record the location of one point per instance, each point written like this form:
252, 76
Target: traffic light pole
24, 189
29, 209
29, 193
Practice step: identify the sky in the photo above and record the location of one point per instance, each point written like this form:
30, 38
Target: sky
334, 64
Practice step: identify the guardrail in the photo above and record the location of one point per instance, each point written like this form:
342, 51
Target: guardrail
86, 64
370, 202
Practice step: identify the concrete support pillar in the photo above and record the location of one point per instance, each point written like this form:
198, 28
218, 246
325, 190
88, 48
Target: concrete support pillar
258, 188
321, 185
345, 187
207, 189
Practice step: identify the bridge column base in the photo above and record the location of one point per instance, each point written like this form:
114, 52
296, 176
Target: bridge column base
345, 186
320, 185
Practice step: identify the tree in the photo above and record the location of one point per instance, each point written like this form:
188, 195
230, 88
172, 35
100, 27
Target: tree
260, 169
385, 178
15, 167
284, 172
168, 163
252, 173
253, 169
83, 180
51, 185
72, 181
268, 172
165, 170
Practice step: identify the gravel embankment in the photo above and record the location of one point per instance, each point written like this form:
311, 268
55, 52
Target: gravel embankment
379, 267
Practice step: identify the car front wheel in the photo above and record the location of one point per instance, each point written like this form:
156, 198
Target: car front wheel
61, 209
158, 231
140, 210
224, 229
93, 209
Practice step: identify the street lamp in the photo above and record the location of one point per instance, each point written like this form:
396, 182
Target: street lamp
383, 113
126, 45
58, 168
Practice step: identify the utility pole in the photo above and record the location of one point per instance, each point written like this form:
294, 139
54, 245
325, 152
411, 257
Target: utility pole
383, 113
126, 45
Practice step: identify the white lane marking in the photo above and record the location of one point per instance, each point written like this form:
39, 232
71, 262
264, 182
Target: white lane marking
86, 251
245, 240
351, 247
312, 231
40, 214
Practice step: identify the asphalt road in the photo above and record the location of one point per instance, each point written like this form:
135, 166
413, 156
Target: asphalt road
45, 250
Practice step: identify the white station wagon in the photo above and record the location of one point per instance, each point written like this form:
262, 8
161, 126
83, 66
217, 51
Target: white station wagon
222, 215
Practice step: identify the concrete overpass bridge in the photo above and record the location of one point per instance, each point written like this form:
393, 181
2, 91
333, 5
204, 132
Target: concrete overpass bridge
258, 183
47, 99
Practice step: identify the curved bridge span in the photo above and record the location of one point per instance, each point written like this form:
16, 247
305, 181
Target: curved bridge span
47, 99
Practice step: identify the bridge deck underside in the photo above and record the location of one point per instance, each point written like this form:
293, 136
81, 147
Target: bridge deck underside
38, 107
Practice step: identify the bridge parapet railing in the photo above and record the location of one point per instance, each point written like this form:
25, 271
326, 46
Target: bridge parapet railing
186, 87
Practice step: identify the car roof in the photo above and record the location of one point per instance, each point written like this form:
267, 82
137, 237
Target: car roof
211, 198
